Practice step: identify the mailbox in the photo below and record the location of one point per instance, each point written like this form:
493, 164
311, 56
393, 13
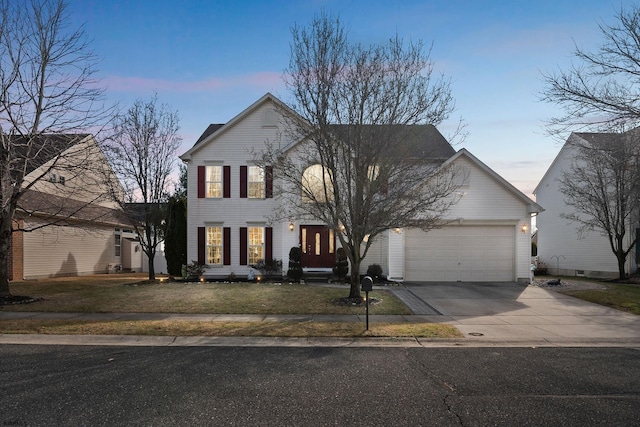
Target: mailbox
367, 284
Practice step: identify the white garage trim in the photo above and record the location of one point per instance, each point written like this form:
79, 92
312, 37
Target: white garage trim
461, 253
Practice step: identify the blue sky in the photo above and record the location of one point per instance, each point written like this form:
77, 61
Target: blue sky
211, 59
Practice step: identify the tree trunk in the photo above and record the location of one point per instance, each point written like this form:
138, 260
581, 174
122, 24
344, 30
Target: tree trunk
354, 292
5, 245
152, 272
4, 270
621, 266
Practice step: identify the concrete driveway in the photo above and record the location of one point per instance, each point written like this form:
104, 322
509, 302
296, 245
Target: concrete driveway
519, 312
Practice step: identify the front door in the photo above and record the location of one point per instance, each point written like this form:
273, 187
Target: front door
318, 246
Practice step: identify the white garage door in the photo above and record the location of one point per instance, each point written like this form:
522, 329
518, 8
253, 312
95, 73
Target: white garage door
461, 253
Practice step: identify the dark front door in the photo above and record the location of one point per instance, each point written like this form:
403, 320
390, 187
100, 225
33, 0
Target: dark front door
318, 246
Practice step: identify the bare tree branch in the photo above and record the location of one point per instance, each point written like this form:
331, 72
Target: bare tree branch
371, 158
49, 101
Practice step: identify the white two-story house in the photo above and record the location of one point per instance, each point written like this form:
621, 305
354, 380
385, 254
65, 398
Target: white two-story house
231, 200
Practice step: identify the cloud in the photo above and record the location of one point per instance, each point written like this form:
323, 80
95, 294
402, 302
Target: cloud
266, 80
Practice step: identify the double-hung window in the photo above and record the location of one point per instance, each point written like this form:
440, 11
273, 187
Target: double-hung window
256, 182
256, 244
214, 246
213, 181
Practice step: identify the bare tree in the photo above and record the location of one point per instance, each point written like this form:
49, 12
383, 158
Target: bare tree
143, 155
600, 91
603, 185
363, 114
48, 101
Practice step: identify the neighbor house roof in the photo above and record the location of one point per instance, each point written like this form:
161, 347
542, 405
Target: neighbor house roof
52, 206
37, 150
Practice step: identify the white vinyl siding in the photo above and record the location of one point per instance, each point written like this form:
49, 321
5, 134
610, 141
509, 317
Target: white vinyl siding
232, 147
559, 244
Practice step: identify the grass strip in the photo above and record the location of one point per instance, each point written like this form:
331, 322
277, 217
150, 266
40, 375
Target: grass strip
228, 329
619, 296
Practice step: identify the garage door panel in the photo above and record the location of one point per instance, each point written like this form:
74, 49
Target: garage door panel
461, 253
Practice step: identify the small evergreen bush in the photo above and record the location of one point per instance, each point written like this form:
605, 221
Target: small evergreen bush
341, 269
375, 271
294, 273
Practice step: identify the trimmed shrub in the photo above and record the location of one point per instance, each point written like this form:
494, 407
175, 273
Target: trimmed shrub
294, 273
341, 269
375, 271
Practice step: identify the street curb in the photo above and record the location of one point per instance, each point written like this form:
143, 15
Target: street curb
201, 341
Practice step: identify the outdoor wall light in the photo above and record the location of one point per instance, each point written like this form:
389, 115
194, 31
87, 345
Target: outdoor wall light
398, 230
523, 228
291, 226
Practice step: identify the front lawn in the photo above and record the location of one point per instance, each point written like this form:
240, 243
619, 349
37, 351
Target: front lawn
129, 294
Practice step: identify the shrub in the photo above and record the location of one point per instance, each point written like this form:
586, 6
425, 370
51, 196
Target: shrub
342, 264
374, 270
294, 273
268, 267
194, 270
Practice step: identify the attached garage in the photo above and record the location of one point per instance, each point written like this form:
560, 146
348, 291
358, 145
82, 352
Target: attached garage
461, 253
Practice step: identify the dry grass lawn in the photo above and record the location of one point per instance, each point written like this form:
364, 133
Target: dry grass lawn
130, 294
227, 329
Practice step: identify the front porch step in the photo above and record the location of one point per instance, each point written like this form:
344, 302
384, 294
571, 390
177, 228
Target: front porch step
317, 274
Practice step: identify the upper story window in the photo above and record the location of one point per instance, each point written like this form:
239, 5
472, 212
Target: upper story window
213, 181
256, 182
316, 184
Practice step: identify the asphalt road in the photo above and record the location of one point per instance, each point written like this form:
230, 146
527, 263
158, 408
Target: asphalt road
317, 386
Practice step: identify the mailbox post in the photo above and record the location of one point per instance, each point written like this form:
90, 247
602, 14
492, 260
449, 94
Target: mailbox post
367, 285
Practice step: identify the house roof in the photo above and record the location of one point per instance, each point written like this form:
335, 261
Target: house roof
38, 150
532, 206
421, 141
424, 140
211, 129
52, 206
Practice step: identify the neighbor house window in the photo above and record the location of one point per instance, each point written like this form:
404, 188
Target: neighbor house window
213, 181
214, 246
118, 242
256, 182
256, 244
